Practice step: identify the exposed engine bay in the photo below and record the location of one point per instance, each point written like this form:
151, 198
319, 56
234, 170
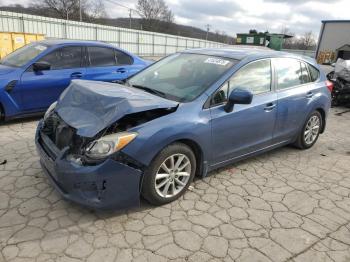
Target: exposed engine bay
136, 119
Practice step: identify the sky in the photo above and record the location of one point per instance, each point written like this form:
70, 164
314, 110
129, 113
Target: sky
238, 16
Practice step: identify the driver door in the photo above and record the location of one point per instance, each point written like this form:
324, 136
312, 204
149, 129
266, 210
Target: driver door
39, 89
248, 128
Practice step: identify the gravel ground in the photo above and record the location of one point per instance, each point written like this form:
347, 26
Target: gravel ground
286, 205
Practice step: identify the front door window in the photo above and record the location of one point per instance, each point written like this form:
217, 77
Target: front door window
64, 58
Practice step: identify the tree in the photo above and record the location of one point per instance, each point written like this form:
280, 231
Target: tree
95, 9
70, 9
288, 42
62, 7
152, 12
308, 40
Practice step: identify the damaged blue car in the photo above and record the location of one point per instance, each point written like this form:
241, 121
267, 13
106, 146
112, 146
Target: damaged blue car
104, 145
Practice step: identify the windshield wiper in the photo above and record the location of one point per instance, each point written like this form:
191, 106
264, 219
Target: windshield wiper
150, 90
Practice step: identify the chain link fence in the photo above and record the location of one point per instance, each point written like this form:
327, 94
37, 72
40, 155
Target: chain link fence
140, 42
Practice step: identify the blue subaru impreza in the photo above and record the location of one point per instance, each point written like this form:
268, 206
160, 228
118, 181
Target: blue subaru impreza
33, 77
105, 145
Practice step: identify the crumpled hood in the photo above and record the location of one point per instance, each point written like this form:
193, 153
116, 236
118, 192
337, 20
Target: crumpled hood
91, 106
4, 70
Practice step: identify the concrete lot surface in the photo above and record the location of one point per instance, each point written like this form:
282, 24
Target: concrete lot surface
286, 205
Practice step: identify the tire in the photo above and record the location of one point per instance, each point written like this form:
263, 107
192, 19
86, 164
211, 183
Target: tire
2, 114
158, 175
303, 142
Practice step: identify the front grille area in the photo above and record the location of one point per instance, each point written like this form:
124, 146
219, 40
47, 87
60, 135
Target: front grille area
63, 135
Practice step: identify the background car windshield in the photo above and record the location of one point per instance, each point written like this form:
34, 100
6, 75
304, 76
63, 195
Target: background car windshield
23, 55
183, 77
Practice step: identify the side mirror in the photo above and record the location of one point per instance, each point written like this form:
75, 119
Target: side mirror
41, 66
238, 96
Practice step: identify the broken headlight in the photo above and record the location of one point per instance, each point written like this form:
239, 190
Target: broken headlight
49, 110
108, 145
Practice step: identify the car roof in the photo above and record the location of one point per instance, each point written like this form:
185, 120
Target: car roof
238, 52
67, 42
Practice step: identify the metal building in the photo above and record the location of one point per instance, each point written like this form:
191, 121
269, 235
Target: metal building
333, 41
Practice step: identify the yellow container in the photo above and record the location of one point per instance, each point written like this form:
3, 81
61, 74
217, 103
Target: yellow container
5, 44
9, 42
29, 38
17, 41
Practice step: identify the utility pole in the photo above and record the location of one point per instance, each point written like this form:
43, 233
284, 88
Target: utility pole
80, 12
208, 28
130, 18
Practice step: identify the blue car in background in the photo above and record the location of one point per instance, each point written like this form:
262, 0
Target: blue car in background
192, 112
33, 77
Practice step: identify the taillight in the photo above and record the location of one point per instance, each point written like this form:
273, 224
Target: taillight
329, 85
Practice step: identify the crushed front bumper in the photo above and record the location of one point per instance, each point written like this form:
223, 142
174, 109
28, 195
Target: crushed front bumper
109, 185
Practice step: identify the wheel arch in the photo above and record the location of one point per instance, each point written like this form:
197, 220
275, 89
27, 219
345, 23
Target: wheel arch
196, 149
323, 115
198, 152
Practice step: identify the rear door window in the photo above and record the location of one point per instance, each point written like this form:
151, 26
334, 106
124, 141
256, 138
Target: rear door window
101, 56
288, 72
64, 58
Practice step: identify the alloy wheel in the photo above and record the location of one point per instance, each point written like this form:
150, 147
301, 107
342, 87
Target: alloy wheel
172, 175
312, 129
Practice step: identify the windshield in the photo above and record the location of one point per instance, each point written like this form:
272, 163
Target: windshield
182, 77
23, 55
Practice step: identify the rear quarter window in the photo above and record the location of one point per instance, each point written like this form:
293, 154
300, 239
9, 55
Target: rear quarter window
314, 73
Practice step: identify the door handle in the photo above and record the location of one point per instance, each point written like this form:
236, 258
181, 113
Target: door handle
269, 107
121, 70
309, 94
76, 75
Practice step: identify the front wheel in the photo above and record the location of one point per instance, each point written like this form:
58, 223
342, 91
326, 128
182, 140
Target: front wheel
310, 132
169, 175
2, 114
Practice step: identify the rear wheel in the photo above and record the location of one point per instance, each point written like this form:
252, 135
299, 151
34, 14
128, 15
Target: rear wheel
310, 132
169, 175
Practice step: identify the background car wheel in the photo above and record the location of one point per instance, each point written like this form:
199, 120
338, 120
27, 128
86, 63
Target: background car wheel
310, 132
2, 114
169, 175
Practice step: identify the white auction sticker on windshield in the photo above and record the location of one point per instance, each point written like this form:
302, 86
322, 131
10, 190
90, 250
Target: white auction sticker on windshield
216, 61
40, 47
